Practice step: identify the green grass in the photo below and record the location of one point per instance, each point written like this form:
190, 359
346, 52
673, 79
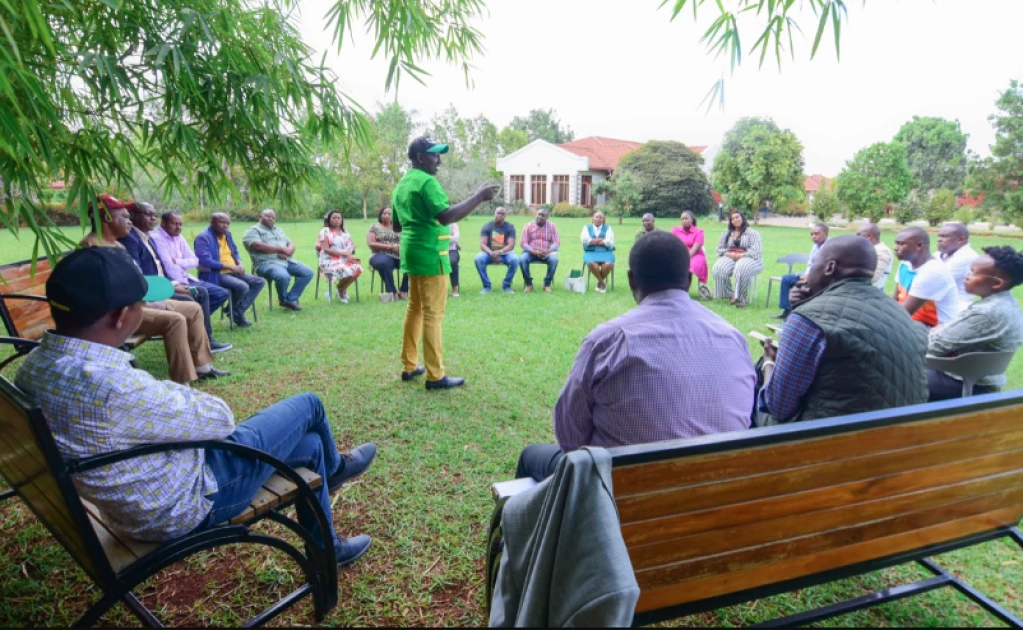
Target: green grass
426, 500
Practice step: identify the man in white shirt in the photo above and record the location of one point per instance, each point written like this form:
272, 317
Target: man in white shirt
819, 236
872, 233
924, 286
955, 251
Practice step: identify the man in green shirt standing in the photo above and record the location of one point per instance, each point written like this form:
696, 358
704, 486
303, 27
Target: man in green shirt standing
423, 215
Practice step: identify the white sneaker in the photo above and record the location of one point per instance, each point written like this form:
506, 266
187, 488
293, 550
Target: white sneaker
344, 298
386, 297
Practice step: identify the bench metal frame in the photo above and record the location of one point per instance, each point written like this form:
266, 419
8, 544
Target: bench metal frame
674, 449
318, 564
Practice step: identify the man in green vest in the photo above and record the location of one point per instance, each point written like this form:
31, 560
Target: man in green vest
423, 215
846, 348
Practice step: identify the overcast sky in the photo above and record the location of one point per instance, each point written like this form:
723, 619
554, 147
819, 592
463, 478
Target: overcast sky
621, 69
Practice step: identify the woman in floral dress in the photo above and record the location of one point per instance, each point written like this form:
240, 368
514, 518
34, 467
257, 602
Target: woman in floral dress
337, 254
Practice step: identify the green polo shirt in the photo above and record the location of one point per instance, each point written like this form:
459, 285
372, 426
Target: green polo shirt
417, 200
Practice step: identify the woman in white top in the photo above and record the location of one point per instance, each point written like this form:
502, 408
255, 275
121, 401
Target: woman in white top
453, 248
598, 250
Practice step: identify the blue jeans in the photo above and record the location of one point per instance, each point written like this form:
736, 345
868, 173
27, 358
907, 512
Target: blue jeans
218, 294
529, 259
509, 259
788, 281
294, 431
281, 275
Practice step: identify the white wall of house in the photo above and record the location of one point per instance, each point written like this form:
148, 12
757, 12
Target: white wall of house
542, 158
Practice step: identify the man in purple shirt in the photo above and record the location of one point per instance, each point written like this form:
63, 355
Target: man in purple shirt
177, 258
668, 369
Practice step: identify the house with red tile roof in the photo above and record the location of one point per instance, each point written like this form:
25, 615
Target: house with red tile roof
813, 184
542, 173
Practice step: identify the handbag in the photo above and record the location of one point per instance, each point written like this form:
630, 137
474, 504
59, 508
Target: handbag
577, 285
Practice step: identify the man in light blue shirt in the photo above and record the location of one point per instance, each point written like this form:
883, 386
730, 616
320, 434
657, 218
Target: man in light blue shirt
819, 235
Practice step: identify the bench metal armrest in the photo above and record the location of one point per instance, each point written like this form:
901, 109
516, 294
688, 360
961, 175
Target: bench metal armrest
22, 296
304, 490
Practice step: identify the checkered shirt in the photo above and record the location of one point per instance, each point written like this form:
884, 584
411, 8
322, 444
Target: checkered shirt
668, 369
95, 403
800, 351
534, 236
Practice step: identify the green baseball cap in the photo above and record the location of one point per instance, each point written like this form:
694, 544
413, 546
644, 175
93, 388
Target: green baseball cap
425, 145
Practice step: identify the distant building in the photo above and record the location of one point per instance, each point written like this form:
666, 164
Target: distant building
813, 184
542, 173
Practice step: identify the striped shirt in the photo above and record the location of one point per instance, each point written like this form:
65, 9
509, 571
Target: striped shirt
749, 242
537, 237
668, 369
95, 402
800, 352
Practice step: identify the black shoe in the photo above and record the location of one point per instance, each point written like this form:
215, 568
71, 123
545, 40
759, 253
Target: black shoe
351, 549
241, 321
353, 465
782, 315
216, 346
446, 383
290, 305
213, 373
408, 376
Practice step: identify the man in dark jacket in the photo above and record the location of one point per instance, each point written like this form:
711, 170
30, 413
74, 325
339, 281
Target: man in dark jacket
847, 348
220, 264
145, 251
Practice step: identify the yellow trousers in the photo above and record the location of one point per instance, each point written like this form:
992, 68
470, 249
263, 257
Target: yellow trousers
426, 300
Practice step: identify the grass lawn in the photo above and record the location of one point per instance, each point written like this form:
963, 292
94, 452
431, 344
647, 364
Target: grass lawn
426, 500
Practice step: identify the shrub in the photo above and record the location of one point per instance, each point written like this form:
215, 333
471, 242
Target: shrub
825, 204
570, 211
911, 209
940, 206
794, 209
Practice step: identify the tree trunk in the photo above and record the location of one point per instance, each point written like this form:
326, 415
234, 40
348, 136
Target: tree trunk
364, 202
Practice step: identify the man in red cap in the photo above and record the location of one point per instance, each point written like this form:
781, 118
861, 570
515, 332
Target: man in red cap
189, 356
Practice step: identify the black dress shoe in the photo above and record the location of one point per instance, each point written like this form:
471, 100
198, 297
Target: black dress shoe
408, 376
241, 321
213, 373
782, 315
355, 463
446, 383
351, 549
291, 306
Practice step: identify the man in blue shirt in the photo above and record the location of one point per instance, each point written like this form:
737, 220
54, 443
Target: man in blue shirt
819, 236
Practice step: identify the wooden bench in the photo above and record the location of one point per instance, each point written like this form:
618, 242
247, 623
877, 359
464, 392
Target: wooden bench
31, 465
24, 309
726, 519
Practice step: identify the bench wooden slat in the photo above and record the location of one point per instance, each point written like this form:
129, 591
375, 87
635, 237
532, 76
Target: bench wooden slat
739, 558
121, 551
734, 581
639, 479
702, 496
756, 529
823, 498
275, 491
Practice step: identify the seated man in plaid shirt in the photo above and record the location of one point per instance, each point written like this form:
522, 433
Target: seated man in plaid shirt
540, 244
95, 402
668, 369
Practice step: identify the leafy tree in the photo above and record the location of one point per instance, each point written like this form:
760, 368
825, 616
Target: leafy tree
875, 177
96, 92
511, 140
825, 203
935, 151
940, 207
911, 209
671, 178
624, 192
759, 162
999, 177
462, 180
543, 124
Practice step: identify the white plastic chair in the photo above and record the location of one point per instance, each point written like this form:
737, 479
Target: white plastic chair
972, 367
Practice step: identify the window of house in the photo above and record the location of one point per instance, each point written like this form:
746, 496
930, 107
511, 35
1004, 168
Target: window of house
539, 189
559, 189
586, 191
518, 188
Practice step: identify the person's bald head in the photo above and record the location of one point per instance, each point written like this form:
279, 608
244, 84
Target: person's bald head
841, 258
220, 223
913, 245
870, 232
952, 237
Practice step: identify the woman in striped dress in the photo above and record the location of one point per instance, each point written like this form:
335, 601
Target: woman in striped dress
740, 254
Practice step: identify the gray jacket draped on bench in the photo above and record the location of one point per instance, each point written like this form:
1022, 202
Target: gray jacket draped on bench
565, 563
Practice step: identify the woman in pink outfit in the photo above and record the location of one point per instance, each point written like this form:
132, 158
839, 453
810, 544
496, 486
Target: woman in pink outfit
692, 237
